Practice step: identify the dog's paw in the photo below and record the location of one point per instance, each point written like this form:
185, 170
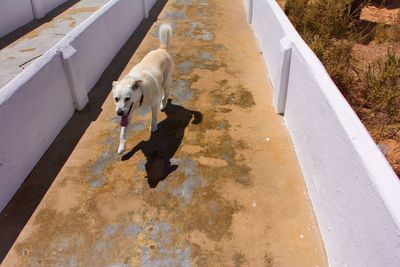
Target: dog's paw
162, 107
120, 149
153, 128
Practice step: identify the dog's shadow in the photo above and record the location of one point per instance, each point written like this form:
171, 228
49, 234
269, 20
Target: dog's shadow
164, 143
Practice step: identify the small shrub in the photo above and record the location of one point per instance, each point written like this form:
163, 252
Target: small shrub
388, 33
328, 28
383, 85
295, 10
338, 63
328, 19
394, 33
380, 33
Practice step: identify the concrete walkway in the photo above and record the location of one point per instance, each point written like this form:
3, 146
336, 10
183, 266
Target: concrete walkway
21, 48
217, 184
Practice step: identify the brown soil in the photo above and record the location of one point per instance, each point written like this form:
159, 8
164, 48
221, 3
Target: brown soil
281, 3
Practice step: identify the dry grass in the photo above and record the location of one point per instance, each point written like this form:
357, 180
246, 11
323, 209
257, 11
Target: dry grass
328, 28
388, 33
382, 96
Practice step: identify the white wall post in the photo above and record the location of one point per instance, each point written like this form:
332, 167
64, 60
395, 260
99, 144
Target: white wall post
37, 8
250, 12
146, 9
74, 78
280, 95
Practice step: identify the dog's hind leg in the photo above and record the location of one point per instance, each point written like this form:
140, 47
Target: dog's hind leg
154, 113
122, 140
166, 86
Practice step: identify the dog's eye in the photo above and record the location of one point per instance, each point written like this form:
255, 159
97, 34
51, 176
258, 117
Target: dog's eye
116, 99
127, 99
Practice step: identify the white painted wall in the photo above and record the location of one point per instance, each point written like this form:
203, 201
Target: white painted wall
97, 43
353, 189
247, 5
42, 7
33, 109
14, 14
148, 4
30, 118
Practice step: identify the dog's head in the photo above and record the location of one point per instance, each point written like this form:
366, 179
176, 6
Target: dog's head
127, 95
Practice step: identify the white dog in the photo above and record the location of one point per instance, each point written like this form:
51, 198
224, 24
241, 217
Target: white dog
146, 85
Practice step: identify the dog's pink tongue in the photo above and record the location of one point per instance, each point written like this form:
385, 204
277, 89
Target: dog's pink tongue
124, 120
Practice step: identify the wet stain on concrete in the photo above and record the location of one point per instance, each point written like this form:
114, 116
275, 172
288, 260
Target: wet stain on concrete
185, 66
173, 15
133, 230
137, 126
176, 257
192, 181
199, 31
182, 91
110, 230
96, 177
206, 56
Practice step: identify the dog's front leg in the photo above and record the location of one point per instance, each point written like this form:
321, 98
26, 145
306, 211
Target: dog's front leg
122, 140
154, 111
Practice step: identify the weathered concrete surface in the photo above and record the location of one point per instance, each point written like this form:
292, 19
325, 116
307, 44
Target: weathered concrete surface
233, 194
15, 56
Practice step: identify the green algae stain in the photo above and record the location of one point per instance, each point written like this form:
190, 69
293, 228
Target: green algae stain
226, 95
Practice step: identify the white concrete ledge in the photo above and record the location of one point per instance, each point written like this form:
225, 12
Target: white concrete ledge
16, 13
30, 119
37, 103
354, 191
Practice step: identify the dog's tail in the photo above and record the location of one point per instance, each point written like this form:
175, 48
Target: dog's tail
165, 34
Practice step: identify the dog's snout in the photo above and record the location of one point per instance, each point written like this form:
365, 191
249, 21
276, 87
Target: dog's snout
120, 112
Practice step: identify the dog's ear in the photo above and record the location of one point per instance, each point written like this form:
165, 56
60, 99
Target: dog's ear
114, 83
136, 84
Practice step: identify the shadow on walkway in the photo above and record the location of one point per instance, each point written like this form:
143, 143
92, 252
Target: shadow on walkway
164, 143
18, 211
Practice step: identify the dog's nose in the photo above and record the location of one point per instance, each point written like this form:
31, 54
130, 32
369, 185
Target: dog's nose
120, 112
